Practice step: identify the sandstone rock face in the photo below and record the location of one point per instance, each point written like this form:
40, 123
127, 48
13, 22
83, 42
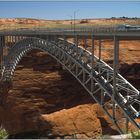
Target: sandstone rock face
45, 98
79, 122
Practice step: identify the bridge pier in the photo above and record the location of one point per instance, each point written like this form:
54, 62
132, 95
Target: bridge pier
115, 71
92, 63
64, 44
76, 43
16, 39
11, 40
100, 45
115, 82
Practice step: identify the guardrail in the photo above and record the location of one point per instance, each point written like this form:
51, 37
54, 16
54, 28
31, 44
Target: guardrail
94, 29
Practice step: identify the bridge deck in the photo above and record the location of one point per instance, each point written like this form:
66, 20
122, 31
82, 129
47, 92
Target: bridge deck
98, 34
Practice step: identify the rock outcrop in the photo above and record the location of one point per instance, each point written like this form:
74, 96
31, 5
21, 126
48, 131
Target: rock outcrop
45, 98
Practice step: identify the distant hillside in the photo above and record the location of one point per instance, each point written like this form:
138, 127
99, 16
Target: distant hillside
10, 23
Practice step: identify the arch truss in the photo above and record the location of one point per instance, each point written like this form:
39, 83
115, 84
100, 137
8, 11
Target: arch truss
92, 73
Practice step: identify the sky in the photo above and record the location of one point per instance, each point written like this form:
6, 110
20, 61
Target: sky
65, 9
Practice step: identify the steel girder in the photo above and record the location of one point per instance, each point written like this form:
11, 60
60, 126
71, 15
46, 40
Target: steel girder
97, 79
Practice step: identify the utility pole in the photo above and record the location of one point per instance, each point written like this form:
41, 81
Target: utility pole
74, 19
71, 23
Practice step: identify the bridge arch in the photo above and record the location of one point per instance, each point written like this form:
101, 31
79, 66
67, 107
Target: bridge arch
97, 81
17, 52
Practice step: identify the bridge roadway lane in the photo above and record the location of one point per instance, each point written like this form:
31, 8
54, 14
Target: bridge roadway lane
98, 34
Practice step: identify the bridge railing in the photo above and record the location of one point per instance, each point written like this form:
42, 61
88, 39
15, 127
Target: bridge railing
88, 29
81, 29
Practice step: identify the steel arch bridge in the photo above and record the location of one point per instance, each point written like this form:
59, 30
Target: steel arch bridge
105, 85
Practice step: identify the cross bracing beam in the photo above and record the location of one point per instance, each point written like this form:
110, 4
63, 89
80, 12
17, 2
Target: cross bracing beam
110, 73
96, 78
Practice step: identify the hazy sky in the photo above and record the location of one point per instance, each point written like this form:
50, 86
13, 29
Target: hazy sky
64, 9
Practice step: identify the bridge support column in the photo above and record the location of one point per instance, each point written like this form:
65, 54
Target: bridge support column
76, 42
64, 46
92, 50
100, 45
115, 75
19, 38
115, 67
92, 63
84, 74
10, 40
115, 72
8, 44
13, 39
64, 41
